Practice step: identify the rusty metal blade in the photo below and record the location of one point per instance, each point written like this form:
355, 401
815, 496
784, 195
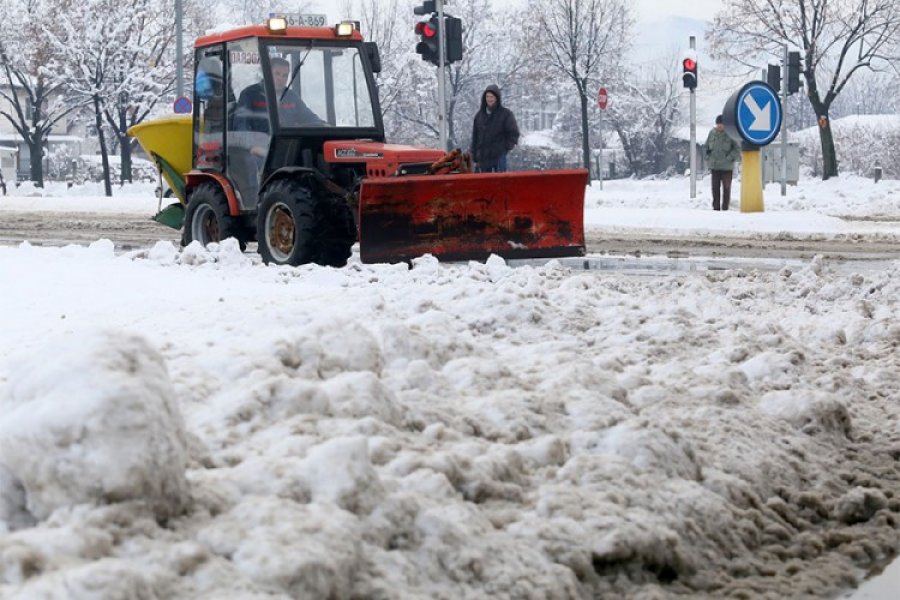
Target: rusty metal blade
471, 216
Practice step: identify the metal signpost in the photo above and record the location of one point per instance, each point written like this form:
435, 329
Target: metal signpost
753, 116
442, 89
693, 154
784, 132
179, 52
441, 44
602, 101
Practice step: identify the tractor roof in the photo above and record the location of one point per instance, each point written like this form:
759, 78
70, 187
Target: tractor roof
261, 31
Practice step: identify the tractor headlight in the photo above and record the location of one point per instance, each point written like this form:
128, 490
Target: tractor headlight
344, 28
277, 25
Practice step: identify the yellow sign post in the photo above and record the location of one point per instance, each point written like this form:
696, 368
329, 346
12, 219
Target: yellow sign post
752, 116
751, 180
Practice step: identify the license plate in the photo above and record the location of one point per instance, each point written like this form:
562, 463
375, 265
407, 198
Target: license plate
297, 20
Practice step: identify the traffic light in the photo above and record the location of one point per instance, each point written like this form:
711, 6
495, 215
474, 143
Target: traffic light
426, 9
793, 73
689, 77
773, 77
453, 31
429, 46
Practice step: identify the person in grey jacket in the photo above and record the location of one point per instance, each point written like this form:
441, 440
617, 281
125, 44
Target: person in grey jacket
721, 152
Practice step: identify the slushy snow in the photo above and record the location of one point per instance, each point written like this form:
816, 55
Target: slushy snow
189, 423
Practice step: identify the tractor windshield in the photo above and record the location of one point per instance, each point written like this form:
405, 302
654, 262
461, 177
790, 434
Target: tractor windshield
320, 86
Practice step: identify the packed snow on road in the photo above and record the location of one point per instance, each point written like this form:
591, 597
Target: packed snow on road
189, 423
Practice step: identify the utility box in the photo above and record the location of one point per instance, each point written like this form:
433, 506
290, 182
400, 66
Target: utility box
771, 162
8, 165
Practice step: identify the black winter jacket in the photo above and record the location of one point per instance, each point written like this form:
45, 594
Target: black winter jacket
252, 111
494, 134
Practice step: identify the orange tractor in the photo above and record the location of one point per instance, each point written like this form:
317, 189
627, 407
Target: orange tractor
309, 173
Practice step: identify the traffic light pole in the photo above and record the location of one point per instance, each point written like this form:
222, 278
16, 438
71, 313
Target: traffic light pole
442, 89
600, 162
784, 132
179, 52
693, 46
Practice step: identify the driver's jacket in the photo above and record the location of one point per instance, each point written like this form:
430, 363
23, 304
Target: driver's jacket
251, 113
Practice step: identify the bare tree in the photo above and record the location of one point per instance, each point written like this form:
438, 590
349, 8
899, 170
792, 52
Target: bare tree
145, 74
581, 39
381, 23
492, 55
868, 94
406, 87
89, 58
35, 103
643, 116
248, 12
838, 38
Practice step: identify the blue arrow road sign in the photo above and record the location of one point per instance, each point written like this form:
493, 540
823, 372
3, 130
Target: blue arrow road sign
758, 113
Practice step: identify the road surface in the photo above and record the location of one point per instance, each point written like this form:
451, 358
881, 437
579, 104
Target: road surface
129, 232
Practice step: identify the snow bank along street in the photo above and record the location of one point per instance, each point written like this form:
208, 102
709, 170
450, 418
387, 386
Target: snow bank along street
186, 424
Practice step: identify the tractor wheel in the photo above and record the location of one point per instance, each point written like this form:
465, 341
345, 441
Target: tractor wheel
285, 224
294, 227
206, 219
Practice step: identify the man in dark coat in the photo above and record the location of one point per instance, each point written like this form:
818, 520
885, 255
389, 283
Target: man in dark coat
252, 105
494, 133
250, 130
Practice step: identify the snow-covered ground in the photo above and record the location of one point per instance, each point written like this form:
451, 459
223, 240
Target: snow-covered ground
193, 424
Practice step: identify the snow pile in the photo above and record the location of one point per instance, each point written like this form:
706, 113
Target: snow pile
468, 431
91, 420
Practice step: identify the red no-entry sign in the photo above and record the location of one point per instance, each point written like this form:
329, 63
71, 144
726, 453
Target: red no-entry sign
602, 98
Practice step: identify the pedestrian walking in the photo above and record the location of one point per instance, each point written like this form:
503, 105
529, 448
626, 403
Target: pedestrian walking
721, 152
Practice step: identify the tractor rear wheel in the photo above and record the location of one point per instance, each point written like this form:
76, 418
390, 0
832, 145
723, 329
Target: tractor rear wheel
206, 219
294, 227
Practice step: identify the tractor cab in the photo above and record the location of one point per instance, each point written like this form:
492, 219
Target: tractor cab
265, 99
286, 148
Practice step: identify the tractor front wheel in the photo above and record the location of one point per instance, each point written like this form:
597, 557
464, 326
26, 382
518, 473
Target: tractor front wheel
294, 227
206, 219
285, 225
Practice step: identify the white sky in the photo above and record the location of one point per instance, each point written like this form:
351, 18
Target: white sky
646, 9
697, 9
451, 431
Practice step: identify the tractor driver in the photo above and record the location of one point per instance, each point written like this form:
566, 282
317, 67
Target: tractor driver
292, 112
250, 128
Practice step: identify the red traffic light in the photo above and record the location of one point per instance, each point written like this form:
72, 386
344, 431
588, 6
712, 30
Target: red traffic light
429, 45
425, 29
689, 77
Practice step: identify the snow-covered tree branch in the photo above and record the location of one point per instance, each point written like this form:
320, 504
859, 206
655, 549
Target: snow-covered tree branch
837, 39
581, 39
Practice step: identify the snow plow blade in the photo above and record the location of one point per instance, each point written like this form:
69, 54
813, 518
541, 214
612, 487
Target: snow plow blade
471, 216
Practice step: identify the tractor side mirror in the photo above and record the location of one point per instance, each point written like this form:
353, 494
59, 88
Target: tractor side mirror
371, 50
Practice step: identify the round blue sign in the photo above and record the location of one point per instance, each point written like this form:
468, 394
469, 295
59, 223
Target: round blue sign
753, 114
183, 105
